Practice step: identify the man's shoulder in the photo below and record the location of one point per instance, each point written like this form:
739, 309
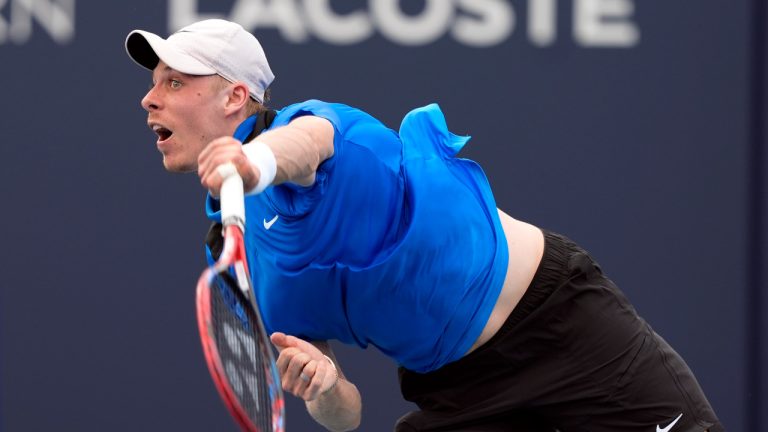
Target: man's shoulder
339, 114
315, 105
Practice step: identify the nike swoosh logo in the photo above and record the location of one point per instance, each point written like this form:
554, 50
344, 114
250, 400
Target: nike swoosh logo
268, 225
669, 426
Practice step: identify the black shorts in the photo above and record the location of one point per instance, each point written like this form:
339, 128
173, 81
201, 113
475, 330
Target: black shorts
572, 356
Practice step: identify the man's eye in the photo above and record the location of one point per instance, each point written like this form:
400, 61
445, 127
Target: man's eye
175, 84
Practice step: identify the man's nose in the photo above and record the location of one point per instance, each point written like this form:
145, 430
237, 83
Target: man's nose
151, 101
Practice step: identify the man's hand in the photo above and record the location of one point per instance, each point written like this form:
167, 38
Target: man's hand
304, 371
218, 152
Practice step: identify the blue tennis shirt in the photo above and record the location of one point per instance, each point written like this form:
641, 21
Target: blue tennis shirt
397, 244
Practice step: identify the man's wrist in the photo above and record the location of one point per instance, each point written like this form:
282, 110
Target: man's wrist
336, 377
261, 157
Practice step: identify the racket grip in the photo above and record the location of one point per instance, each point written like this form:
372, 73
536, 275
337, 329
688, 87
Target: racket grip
231, 196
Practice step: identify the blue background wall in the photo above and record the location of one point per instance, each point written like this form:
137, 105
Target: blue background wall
647, 146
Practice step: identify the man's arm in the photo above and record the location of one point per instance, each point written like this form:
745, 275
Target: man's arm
306, 372
298, 147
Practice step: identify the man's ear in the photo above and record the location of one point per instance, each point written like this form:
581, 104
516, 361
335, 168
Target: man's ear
237, 98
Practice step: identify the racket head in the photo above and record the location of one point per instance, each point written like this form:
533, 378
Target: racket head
236, 346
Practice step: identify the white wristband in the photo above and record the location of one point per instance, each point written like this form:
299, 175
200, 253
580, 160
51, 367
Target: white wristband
261, 156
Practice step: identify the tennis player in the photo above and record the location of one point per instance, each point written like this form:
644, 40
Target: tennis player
371, 237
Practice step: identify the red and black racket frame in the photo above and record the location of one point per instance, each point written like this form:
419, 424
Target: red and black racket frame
233, 255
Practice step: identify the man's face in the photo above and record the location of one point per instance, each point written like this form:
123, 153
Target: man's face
186, 112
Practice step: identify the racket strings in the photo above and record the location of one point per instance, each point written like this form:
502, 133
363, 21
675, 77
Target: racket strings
243, 358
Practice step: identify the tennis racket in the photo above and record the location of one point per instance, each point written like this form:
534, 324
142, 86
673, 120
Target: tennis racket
236, 346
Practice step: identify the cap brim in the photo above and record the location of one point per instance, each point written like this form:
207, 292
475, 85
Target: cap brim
147, 49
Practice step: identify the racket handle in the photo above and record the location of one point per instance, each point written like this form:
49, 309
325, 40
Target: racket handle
231, 196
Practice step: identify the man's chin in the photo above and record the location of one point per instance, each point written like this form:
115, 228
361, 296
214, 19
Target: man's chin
177, 167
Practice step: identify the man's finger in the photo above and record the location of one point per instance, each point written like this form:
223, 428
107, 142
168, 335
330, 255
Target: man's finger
282, 341
297, 364
278, 340
318, 376
284, 362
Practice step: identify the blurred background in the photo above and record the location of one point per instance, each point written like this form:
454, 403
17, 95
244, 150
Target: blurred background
637, 128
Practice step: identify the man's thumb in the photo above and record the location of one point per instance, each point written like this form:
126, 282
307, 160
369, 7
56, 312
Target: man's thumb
281, 341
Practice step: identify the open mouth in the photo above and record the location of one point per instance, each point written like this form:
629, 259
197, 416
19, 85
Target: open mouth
162, 132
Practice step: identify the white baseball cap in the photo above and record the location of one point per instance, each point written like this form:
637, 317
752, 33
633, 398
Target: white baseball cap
206, 48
